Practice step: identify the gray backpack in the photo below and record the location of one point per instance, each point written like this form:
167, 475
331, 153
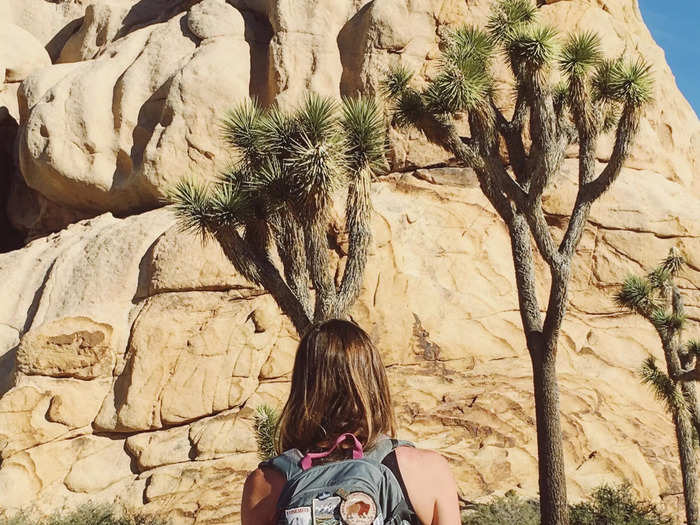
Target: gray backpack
358, 491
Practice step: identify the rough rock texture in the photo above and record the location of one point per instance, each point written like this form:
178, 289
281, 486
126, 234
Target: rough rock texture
132, 356
138, 108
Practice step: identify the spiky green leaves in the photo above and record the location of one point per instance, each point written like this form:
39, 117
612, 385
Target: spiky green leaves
628, 82
458, 88
580, 54
396, 82
241, 128
284, 159
663, 387
636, 294
363, 128
530, 48
468, 44
191, 205
265, 424
509, 15
692, 346
317, 118
673, 263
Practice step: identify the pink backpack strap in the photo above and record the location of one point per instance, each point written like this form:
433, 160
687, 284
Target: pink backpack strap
357, 453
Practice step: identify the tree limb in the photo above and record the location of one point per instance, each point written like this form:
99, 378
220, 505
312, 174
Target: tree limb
260, 270
626, 133
358, 216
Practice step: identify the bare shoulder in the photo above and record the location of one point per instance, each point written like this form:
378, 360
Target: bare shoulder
261, 491
421, 458
430, 485
264, 477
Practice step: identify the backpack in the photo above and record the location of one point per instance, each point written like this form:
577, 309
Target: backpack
357, 491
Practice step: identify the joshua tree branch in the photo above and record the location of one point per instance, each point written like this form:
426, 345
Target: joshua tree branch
524, 273
556, 307
586, 128
289, 239
626, 132
259, 269
318, 261
547, 150
512, 135
358, 217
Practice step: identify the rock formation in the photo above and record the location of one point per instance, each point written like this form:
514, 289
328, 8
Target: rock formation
132, 356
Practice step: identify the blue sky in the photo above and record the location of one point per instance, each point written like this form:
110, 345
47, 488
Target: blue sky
675, 25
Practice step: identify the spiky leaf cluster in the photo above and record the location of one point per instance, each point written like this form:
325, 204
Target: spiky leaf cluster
580, 53
663, 387
692, 346
284, 159
636, 294
509, 15
265, 424
650, 295
624, 81
531, 48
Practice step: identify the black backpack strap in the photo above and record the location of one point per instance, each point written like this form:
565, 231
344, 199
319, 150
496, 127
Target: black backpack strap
384, 447
287, 463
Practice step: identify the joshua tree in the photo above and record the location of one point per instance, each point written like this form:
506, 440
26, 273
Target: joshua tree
278, 194
657, 298
515, 160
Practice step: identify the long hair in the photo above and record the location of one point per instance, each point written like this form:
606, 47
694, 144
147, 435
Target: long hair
338, 385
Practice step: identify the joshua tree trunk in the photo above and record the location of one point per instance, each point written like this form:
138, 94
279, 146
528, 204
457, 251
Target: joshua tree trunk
259, 269
360, 235
318, 261
684, 432
686, 451
543, 352
549, 441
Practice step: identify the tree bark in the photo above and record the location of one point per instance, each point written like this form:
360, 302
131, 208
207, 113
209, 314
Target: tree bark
261, 271
318, 261
553, 504
686, 451
358, 210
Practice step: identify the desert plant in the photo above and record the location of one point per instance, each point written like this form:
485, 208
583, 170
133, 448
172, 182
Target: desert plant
657, 298
516, 159
616, 505
265, 424
509, 509
277, 196
88, 514
606, 505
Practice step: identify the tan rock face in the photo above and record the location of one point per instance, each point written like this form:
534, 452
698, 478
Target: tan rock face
132, 356
141, 106
76, 347
20, 53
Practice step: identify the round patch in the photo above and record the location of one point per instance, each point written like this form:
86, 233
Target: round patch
358, 509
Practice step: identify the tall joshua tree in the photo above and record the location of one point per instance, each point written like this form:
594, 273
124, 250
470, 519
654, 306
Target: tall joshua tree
277, 195
515, 160
657, 298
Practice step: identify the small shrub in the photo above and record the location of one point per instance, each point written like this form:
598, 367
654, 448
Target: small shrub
509, 509
609, 505
88, 514
266, 420
606, 505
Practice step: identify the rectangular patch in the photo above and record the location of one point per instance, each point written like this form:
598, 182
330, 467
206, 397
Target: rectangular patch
298, 516
326, 510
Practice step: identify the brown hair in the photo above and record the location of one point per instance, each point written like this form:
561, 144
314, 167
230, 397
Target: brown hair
338, 385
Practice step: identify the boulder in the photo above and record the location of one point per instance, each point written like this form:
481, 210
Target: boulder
20, 53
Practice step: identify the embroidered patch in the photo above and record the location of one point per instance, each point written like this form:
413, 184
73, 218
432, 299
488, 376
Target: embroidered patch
358, 509
326, 511
298, 516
